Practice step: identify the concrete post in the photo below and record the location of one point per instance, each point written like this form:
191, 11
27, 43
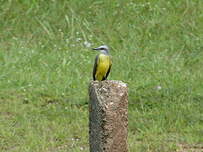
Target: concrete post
108, 116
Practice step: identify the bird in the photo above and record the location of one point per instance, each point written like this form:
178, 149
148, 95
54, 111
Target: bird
102, 64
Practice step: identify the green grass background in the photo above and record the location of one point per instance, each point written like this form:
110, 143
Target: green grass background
45, 69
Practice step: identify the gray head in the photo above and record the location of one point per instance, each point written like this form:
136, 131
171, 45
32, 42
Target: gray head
103, 49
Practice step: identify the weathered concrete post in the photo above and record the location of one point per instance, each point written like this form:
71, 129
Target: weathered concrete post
108, 116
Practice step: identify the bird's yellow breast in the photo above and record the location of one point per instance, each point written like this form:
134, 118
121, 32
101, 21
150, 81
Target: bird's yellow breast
103, 65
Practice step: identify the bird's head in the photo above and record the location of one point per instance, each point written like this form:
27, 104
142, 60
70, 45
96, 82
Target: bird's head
103, 49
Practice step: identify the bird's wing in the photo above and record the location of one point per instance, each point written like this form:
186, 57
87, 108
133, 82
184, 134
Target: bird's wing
109, 67
95, 67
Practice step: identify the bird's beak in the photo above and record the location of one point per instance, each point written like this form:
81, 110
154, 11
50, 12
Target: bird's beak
95, 49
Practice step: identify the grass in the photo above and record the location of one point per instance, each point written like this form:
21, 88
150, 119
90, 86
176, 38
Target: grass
46, 67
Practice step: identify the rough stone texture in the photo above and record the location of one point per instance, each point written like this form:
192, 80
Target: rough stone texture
108, 116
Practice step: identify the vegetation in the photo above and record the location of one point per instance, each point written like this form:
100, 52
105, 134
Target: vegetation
46, 65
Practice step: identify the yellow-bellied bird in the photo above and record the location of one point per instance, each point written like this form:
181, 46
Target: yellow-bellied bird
102, 65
